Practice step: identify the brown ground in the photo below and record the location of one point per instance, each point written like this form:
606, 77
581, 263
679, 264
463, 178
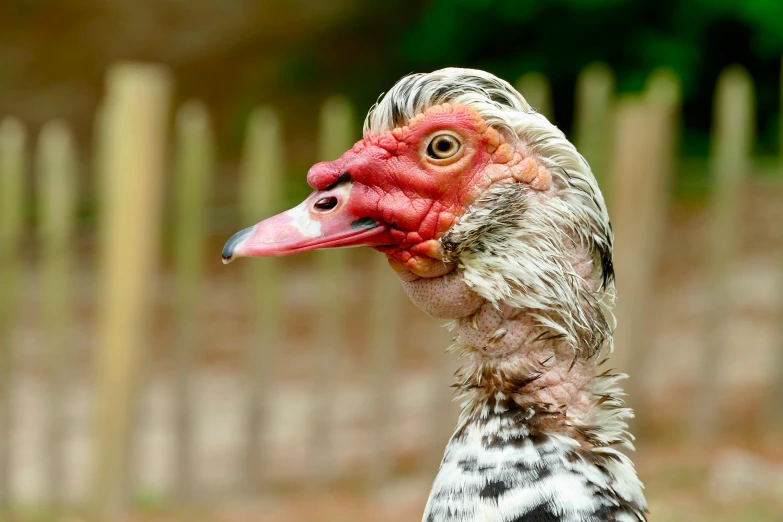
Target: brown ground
682, 486
736, 477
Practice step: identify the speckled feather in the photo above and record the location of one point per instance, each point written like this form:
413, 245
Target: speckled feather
494, 469
541, 430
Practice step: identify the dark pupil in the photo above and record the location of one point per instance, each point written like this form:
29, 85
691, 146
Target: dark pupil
443, 145
326, 203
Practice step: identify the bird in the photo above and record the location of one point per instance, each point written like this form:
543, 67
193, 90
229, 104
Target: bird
491, 219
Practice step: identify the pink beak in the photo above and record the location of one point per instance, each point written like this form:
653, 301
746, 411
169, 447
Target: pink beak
323, 220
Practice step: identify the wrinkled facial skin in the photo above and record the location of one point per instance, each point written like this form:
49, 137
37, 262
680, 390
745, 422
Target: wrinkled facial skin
394, 192
396, 183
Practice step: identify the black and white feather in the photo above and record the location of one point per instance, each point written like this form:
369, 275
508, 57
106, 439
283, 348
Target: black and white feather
519, 248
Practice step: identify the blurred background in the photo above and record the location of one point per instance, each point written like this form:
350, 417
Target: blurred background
140, 379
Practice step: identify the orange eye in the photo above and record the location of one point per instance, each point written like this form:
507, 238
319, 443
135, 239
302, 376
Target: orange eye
444, 146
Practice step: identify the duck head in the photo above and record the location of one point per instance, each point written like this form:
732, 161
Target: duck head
456, 173
398, 190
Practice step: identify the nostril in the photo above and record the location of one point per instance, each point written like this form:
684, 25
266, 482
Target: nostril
327, 203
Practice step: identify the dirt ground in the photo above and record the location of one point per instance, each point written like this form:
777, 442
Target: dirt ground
735, 475
725, 481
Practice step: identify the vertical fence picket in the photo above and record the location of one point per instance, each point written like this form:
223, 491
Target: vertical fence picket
593, 119
261, 191
57, 193
193, 168
662, 97
385, 326
731, 146
98, 159
663, 87
776, 402
443, 411
536, 90
640, 174
336, 135
12, 211
137, 108
664, 91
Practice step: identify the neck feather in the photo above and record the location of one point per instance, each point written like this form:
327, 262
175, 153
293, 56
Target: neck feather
508, 354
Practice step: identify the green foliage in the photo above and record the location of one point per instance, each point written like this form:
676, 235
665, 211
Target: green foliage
646, 33
694, 38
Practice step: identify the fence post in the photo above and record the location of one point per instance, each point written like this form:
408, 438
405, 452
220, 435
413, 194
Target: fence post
137, 109
663, 87
13, 202
385, 327
640, 174
57, 192
193, 169
536, 90
776, 410
261, 192
662, 99
98, 160
593, 132
443, 410
337, 134
732, 141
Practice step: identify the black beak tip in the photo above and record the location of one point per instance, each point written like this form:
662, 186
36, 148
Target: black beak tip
233, 242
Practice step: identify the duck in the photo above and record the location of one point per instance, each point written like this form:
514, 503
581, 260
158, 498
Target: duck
492, 220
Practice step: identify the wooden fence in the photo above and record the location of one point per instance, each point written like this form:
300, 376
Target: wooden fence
630, 140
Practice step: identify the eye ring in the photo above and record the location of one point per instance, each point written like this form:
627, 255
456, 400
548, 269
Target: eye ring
444, 147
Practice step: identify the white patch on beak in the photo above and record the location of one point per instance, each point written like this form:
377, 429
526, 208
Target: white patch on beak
303, 222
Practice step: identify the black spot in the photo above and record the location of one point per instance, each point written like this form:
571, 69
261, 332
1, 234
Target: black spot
541, 513
532, 473
471, 465
605, 257
543, 473
397, 110
494, 490
539, 440
544, 470
607, 266
592, 457
494, 441
449, 243
468, 464
607, 513
364, 224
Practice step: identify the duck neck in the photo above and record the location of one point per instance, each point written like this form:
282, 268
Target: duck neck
510, 353
514, 364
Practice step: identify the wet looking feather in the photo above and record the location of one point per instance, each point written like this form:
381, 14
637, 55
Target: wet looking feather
491, 219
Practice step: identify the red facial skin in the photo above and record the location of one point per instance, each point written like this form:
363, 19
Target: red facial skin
399, 185
405, 198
